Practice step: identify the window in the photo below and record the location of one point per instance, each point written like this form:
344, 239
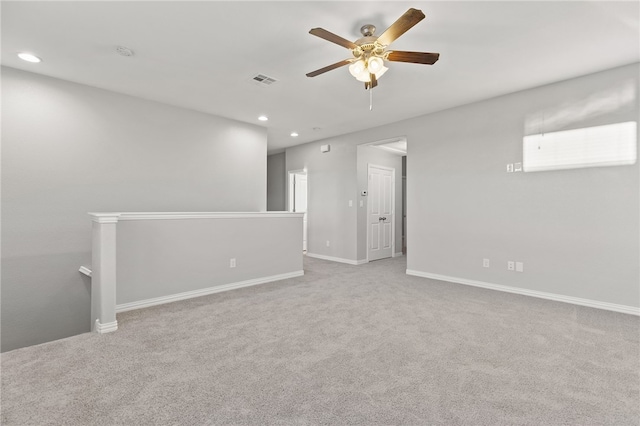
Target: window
608, 145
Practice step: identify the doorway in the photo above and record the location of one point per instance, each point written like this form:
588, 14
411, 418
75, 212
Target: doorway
381, 212
298, 199
388, 235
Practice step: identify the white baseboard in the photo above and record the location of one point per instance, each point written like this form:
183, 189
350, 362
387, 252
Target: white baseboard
106, 328
203, 292
337, 259
397, 254
533, 293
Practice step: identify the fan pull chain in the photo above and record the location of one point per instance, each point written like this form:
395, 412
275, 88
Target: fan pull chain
370, 99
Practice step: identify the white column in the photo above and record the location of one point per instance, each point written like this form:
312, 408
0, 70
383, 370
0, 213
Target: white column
103, 276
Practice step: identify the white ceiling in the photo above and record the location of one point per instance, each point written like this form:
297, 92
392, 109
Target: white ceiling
203, 55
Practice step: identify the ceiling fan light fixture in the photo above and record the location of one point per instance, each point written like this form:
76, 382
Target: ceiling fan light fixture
370, 51
375, 64
381, 72
365, 76
357, 68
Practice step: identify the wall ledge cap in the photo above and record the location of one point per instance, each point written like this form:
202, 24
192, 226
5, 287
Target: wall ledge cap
105, 217
115, 217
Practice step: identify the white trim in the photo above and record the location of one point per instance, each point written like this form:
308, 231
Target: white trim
338, 259
632, 310
85, 270
290, 186
206, 291
106, 328
398, 254
115, 217
105, 217
203, 215
386, 141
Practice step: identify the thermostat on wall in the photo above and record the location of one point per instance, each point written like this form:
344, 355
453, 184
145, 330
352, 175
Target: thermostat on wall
325, 148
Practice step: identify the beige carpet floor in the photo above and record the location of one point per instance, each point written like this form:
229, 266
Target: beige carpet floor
343, 345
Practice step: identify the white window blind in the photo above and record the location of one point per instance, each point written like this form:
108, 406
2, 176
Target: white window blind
608, 145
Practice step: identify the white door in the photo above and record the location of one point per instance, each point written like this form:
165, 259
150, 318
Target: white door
381, 212
300, 203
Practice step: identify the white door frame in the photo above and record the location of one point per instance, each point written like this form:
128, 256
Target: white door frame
291, 200
290, 184
393, 207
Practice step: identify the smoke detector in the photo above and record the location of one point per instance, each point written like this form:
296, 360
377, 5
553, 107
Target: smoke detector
124, 51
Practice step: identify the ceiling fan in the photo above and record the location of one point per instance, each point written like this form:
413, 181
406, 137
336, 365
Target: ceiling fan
370, 51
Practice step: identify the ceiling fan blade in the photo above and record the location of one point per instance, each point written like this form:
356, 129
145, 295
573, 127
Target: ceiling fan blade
413, 57
329, 68
329, 36
401, 26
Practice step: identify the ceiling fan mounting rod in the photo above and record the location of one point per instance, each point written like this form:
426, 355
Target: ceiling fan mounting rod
368, 30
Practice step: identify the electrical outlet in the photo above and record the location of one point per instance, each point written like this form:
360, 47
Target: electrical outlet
232, 263
519, 267
350, 203
485, 263
361, 203
517, 167
328, 243
510, 168
511, 265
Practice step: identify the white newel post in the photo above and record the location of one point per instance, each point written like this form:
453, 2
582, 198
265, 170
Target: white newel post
103, 276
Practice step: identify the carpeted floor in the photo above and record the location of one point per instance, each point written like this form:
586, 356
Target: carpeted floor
363, 345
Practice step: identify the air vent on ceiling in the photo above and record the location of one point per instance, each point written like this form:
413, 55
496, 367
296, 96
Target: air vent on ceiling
264, 80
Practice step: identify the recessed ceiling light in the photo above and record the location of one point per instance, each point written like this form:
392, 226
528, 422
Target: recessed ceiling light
294, 134
29, 57
263, 118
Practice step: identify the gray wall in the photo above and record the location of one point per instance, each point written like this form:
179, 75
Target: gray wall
158, 258
366, 155
276, 182
68, 149
576, 230
331, 183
